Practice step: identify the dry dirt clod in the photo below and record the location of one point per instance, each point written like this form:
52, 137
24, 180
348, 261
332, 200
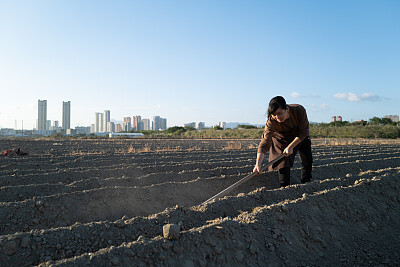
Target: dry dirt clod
25, 242
211, 242
239, 256
166, 245
176, 249
120, 224
10, 248
115, 261
252, 249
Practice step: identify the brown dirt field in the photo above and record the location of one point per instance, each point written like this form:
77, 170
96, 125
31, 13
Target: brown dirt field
105, 202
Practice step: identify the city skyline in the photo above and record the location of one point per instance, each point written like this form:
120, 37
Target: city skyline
103, 121
205, 61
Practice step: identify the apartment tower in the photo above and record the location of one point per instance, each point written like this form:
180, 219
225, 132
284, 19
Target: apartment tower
99, 123
66, 115
42, 115
107, 125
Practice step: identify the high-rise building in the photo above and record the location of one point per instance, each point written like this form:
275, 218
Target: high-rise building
137, 123
163, 123
42, 115
55, 124
200, 125
333, 118
110, 127
48, 125
127, 124
99, 124
339, 118
222, 124
156, 123
106, 121
146, 124
118, 128
134, 123
66, 115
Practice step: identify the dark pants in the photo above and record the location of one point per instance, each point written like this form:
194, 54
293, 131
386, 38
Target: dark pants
304, 149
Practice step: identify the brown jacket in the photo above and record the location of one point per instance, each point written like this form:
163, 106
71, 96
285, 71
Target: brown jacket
277, 136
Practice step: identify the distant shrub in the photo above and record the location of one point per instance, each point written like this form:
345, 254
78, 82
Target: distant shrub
245, 126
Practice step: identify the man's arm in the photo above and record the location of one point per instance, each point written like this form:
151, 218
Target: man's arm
260, 158
289, 149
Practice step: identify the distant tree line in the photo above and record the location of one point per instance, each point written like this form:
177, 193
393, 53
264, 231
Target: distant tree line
374, 128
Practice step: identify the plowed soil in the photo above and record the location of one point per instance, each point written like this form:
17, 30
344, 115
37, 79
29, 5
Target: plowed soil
104, 203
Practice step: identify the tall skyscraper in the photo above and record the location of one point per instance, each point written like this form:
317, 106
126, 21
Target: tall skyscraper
106, 121
110, 127
156, 123
137, 123
146, 124
118, 128
134, 123
99, 124
42, 115
163, 123
66, 115
127, 124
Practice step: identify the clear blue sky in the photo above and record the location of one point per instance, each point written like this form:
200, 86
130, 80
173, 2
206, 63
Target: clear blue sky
204, 60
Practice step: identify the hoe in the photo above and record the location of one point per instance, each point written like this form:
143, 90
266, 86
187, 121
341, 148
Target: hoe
241, 181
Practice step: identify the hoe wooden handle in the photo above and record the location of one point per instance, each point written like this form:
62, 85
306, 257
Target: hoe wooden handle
241, 181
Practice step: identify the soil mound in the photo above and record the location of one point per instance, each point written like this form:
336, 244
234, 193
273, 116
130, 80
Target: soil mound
106, 203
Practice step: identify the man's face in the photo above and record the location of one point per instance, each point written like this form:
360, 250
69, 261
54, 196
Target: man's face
281, 115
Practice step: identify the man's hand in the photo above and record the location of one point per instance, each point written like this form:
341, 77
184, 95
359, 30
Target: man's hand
288, 150
257, 168
260, 158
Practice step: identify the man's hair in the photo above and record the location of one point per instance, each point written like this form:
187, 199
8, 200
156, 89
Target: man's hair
275, 103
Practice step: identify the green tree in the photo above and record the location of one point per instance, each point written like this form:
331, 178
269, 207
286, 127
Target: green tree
375, 120
387, 121
244, 126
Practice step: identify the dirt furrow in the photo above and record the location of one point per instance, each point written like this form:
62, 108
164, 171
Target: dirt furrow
237, 231
130, 229
130, 178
